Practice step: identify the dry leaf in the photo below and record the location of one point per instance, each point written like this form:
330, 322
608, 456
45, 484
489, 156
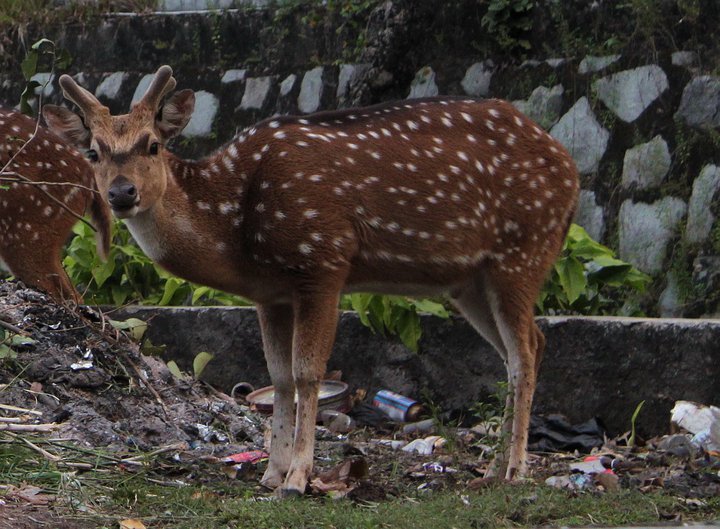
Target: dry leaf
131, 523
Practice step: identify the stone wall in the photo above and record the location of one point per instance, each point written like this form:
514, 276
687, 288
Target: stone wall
640, 123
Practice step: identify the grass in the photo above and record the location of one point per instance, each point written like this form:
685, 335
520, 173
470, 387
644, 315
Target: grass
110, 492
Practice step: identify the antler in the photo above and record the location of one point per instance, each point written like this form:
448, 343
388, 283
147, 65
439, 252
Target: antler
163, 83
87, 102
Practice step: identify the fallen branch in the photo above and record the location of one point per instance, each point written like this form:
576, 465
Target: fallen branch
9, 407
10, 427
10, 327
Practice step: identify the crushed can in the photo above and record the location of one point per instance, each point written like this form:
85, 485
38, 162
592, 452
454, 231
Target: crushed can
398, 407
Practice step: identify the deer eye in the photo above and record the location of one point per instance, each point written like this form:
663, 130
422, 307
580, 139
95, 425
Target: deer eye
92, 155
154, 148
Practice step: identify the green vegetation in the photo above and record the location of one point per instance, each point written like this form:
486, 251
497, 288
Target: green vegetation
586, 275
509, 23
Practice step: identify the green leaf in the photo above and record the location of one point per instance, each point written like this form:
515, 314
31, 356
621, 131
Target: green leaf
42, 42
135, 327
7, 352
431, 307
571, 274
408, 329
175, 370
199, 362
101, 272
29, 65
25, 97
171, 286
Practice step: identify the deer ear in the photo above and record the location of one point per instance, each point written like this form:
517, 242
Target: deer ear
68, 125
175, 113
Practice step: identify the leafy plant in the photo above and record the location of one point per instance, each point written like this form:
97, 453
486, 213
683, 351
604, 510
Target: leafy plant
584, 277
509, 22
394, 315
10, 340
130, 276
42, 57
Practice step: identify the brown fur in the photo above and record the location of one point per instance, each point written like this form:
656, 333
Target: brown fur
462, 197
33, 227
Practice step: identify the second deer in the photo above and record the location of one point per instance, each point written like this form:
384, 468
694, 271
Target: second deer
449, 196
46, 186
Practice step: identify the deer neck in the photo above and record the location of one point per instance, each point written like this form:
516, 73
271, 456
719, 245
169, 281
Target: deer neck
197, 220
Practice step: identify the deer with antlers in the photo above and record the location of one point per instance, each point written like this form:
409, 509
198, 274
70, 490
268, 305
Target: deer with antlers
445, 196
45, 188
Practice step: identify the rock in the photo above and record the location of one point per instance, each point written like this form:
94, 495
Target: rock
684, 58
555, 62
590, 215
349, 76
671, 301
142, 87
646, 165
201, 122
46, 83
287, 84
630, 92
423, 85
700, 102
477, 79
311, 90
110, 86
256, 92
543, 105
700, 218
582, 136
646, 229
233, 76
592, 63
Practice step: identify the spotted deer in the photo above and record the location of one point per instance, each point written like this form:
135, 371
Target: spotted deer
444, 196
45, 187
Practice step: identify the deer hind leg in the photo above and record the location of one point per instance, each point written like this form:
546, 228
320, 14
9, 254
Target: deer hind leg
512, 302
316, 317
474, 304
276, 327
500, 308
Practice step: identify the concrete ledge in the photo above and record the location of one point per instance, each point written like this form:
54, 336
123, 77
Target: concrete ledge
592, 366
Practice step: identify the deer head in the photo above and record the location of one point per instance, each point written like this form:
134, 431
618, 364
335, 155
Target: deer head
125, 149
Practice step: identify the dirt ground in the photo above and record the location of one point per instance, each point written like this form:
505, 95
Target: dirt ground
91, 382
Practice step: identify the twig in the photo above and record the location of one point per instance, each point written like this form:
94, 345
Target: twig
47, 455
169, 448
10, 327
142, 377
14, 177
48, 427
11, 419
9, 407
26, 180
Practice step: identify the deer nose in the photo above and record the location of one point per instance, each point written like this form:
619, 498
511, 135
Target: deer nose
122, 193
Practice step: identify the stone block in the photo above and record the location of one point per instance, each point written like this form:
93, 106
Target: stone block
646, 229
581, 134
700, 217
646, 165
311, 90
629, 93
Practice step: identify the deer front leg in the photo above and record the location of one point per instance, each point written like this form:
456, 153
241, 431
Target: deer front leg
276, 326
316, 317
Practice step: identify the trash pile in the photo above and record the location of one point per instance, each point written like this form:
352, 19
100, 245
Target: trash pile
76, 376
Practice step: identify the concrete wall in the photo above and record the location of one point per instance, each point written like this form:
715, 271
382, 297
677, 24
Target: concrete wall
592, 366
